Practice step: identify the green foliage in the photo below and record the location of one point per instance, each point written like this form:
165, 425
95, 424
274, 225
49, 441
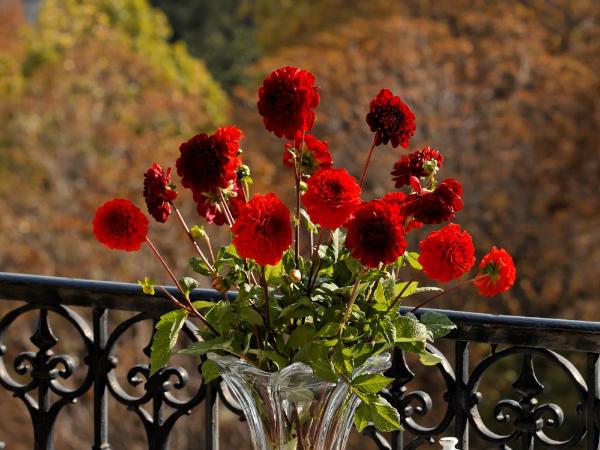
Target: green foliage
165, 338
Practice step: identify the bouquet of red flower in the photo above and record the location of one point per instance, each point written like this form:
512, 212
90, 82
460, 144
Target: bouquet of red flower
335, 306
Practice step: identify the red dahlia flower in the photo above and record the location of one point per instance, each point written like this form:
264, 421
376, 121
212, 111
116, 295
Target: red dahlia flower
438, 206
208, 206
263, 230
158, 192
331, 197
413, 165
399, 200
315, 156
208, 163
391, 119
447, 253
286, 101
375, 233
496, 273
120, 225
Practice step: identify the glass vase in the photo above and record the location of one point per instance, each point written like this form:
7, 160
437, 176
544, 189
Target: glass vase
293, 408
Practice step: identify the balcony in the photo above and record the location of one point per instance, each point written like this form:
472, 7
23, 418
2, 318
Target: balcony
543, 375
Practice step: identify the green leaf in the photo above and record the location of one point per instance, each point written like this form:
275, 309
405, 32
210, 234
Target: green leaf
298, 310
437, 324
413, 260
429, 359
380, 295
408, 329
408, 289
165, 338
201, 304
301, 335
199, 266
370, 383
202, 347
384, 416
274, 272
336, 243
388, 330
210, 371
147, 285
389, 288
328, 330
324, 369
250, 315
361, 417
188, 284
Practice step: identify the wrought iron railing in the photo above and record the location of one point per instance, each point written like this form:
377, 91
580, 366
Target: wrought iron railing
37, 377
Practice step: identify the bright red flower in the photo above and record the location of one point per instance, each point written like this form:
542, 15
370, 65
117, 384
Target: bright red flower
438, 206
315, 156
286, 101
331, 197
158, 193
208, 163
497, 273
447, 253
120, 225
263, 230
399, 200
208, 206
413, 165
391, 119
375, 233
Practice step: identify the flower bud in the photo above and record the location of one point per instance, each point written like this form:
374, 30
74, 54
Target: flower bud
220, 284
303, 186
430, 166
198, 232
295, 275
243, 171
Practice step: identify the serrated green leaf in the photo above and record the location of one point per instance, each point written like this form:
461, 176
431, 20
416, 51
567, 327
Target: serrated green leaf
427, 289
361, 417
413, 259
429, 359
336, 243
380, 295
389, 288
201, 304
210, 371
274, 272
301, 335
388, 330
188, 284
370, 383
202, 347
324, 369
328, 330
405, 288
437, 324
165, 338
408, 329
384, 416
199, 266
250, 315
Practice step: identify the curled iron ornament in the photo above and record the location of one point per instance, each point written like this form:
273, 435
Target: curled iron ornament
529, 418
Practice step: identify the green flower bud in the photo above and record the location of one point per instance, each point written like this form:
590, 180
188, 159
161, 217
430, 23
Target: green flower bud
198, 232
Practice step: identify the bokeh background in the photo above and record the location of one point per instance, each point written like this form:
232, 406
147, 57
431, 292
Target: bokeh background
93, 91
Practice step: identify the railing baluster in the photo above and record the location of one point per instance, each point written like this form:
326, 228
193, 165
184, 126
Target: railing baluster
461, 368
211, 418
593, 383
99, 318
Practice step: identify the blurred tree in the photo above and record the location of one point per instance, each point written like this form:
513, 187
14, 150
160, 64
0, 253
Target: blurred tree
100, 96
221, 33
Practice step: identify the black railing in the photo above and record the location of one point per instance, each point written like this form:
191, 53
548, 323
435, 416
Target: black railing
37, 377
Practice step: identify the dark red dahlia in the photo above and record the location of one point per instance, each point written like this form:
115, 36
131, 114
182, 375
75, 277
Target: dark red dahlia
120, 225
391, 119
314, 157
447, 253
399, 200
375, 233
497, 273
208, 163
331, 197
208, 206
414, 165
286, 101
158, 192
437, 206
263, 230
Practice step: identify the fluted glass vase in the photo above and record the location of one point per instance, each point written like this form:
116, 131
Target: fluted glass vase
293, 408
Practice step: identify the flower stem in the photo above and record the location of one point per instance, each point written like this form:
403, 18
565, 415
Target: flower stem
226, 211
349, 305
399, 296
189, 234
298, 173
364, 172
453, 288
164, 264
